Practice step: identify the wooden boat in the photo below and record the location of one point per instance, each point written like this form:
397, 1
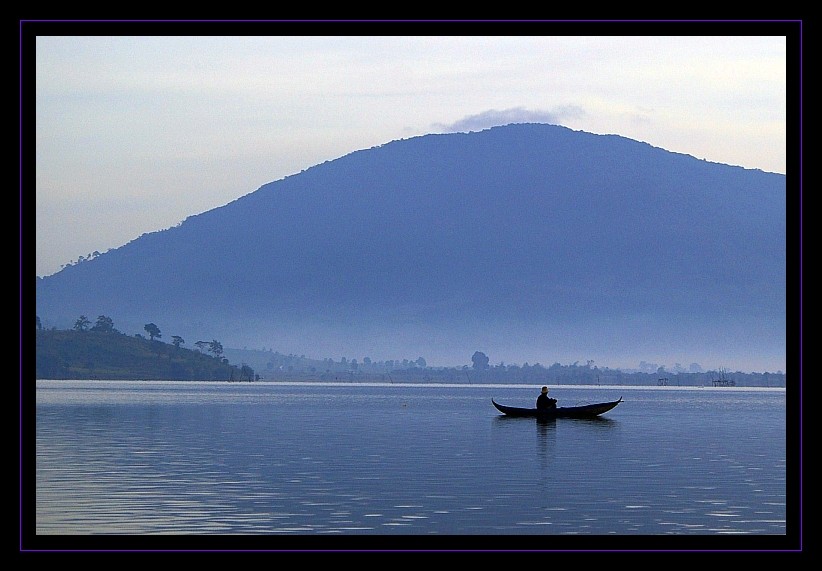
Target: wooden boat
582, 411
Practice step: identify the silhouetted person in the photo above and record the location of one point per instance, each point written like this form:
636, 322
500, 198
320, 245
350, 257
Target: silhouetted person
544, 402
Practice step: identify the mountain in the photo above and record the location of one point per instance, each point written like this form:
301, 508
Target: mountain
530, 242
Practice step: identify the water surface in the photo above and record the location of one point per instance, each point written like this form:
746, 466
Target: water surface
293, 460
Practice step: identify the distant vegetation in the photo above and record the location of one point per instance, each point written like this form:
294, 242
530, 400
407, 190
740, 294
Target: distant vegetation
99, 351
275, 366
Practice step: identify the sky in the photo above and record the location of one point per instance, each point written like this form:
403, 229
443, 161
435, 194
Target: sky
136, 133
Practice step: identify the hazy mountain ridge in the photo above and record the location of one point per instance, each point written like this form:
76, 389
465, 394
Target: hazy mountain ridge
526, 235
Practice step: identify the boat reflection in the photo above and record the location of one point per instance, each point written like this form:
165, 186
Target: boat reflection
546, 440
602, 420
599, 420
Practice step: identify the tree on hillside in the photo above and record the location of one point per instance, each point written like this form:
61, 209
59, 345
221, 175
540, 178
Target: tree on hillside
246, 373
215, 347
480, 360
104, 324
176, 340
201, 345
82, 323
39, 324
152, 330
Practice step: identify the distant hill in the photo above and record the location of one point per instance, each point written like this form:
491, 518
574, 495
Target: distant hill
529, 242
70, 354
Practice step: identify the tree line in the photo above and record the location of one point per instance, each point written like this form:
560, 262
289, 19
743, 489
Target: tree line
99, 350
105, 324
281, 367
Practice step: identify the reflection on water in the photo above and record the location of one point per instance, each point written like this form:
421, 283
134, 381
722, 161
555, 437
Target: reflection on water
546, 440
275, 460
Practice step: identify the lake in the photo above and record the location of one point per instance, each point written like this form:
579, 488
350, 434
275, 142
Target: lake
341, 466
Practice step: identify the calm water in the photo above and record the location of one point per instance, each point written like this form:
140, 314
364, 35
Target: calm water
271, 459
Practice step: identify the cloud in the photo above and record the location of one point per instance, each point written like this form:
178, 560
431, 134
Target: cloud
493, 118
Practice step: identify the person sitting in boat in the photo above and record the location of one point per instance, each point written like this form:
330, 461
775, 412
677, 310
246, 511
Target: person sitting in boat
544, 401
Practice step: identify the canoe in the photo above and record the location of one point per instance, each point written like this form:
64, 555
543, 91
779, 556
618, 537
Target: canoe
582, 411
